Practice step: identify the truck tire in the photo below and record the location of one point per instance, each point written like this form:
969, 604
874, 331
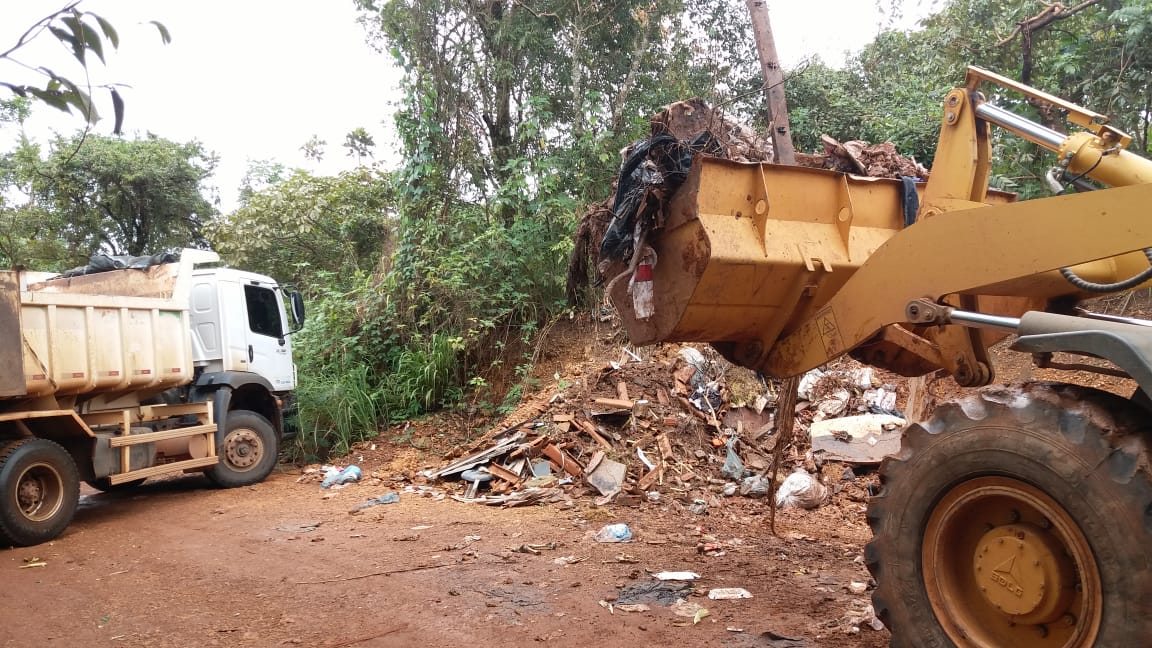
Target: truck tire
1017, 517
248, 450
39, 491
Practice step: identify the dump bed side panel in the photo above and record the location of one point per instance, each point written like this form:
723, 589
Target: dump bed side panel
129, 335
11, 352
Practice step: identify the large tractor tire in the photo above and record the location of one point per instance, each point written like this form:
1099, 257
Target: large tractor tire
39, 491
248, 450
1017, 517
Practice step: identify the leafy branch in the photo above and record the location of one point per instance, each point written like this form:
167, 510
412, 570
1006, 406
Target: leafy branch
83, 33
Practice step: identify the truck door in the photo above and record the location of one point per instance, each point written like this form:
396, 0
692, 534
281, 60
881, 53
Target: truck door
269, 350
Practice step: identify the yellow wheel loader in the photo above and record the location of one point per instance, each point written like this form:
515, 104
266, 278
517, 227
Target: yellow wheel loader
1020, 516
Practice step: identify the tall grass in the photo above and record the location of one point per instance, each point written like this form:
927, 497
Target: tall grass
339, 406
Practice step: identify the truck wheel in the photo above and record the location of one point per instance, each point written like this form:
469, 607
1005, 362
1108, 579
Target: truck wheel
1017, 517
248, 451
39, 491
105, 485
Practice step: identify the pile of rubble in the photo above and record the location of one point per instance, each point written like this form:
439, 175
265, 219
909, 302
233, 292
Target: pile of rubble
689, 425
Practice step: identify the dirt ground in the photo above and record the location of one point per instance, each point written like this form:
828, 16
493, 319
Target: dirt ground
178, 563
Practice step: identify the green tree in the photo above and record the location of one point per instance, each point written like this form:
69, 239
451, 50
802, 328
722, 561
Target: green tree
359, 143
313, 149
120, 196
305, 226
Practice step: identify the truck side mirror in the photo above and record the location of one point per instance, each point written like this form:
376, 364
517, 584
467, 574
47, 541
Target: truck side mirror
296, 301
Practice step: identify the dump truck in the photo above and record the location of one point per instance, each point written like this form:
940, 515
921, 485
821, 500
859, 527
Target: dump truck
1020, 515
113, 377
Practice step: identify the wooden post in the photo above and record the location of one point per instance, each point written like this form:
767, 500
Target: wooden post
781, 132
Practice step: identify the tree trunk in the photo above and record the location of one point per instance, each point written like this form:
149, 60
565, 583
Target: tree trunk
781, 131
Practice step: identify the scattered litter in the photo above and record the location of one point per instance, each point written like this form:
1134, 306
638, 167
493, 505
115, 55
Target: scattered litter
856, 619
801, 490
474, 479
568, 560
534, 549
770, 639
676, 576
699, 616
300, 528
755, 486
614, 533
334, 476
733, 468
387, 498
655, 592
33, 562
698, 507
728, 593
857, 587
685, 608
633, 607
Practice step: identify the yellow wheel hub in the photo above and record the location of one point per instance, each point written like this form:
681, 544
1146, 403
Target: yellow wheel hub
1023, 572
1006, 565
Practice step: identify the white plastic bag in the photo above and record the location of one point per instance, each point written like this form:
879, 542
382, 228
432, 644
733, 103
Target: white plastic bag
801, 489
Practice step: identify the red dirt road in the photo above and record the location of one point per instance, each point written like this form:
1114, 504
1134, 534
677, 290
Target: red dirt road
177, 563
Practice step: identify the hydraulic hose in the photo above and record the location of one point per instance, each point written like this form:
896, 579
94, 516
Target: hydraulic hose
1091, 286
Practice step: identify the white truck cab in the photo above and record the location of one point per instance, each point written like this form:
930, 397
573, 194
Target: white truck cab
239, 324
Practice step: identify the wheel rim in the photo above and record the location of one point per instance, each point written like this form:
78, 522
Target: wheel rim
1005, 565
243, 449
39, 492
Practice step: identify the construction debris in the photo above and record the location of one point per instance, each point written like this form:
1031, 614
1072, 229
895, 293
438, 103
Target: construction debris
668, 425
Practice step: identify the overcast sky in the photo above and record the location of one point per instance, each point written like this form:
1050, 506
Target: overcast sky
255, 79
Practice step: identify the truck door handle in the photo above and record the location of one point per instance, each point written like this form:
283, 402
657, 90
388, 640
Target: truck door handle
250, 353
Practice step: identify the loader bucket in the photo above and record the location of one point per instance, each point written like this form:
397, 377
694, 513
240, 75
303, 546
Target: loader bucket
748, 251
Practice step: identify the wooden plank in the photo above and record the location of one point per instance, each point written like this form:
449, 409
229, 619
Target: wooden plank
665, 447
149, 437
622, 391
589, 428
613, 402
143, 473
646, 482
